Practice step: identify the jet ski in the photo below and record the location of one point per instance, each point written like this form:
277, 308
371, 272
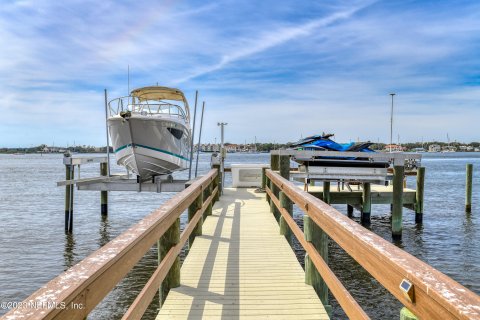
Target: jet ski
324, 142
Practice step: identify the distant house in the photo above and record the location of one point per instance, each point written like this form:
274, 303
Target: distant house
394, 148
232, 148
434, 148
449, 149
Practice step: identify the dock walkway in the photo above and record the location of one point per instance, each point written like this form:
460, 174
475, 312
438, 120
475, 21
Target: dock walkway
242, 268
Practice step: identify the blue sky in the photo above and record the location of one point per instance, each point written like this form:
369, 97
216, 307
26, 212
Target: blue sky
277, 70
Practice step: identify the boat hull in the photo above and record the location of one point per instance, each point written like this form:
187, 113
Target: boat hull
150, 146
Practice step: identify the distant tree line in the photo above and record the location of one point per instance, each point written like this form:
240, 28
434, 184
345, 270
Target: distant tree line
43, 148
261, 147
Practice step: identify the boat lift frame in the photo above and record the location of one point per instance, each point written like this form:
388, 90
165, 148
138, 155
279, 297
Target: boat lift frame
353, 174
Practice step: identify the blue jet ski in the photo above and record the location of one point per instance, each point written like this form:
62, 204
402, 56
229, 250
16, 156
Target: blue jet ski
324, 143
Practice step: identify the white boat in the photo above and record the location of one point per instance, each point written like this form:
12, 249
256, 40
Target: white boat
150, 131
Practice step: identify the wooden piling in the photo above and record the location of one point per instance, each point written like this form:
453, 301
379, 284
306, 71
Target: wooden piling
217, 182
264, 178
192, 209
104, 194
287, 204
265, 183
468, 187
349, 211
69, 175
419, 195
366, 203
275, 165
397, 205
273, 207
274, 162
208, 193
319, 239
284, 164
169, 239
326, 192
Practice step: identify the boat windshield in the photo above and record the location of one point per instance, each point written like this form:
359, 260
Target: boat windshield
146, 107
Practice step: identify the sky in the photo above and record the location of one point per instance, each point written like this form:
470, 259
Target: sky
275, 71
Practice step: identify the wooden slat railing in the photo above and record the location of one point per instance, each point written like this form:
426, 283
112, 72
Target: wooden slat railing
346, 301
436, 295
89, 281
144, 298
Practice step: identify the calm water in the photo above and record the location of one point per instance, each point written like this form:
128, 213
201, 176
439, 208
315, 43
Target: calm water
34, 248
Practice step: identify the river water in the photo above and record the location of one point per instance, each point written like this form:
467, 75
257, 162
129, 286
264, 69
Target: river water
34, 248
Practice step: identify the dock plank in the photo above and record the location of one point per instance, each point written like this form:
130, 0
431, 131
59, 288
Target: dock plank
242, 268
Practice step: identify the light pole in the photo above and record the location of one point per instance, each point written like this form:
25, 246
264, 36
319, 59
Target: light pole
391, 124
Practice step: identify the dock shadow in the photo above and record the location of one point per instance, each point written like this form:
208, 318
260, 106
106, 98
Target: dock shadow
232, 285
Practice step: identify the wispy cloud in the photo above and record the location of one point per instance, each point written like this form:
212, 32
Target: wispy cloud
306, 66
271, 38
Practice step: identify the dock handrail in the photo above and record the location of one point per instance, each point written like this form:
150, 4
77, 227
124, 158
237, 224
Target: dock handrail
436, 296
88, 282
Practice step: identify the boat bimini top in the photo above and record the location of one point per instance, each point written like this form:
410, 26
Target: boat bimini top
151, 99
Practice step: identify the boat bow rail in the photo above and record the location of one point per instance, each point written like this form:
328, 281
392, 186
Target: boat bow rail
129, 104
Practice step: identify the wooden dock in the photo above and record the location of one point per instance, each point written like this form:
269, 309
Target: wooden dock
240, 263
242, 268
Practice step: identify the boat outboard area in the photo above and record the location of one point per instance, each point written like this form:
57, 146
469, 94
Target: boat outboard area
150, 131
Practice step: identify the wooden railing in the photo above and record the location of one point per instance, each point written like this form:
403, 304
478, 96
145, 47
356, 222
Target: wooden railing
76, 292
432, 294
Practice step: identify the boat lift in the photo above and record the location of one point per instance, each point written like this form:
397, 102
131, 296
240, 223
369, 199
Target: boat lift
106, 182
373, 174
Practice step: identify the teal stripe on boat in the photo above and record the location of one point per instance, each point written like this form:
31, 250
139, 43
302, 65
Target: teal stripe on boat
122, 147
154, 149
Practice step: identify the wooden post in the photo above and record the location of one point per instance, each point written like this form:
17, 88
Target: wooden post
69, 175
273, 208
319, 239
275, 165
419, 195
284, 164
274, 162
103, 194
264, 178
208, 192
406, 314
326, 192
169, 239
192, 209
366, 203
468, 188
349, 211
267, 184
286, 204
217, 182
397, 205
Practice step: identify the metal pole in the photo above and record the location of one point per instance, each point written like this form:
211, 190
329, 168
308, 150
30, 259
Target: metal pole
108, 139
199, 139
193, 136
391, 124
